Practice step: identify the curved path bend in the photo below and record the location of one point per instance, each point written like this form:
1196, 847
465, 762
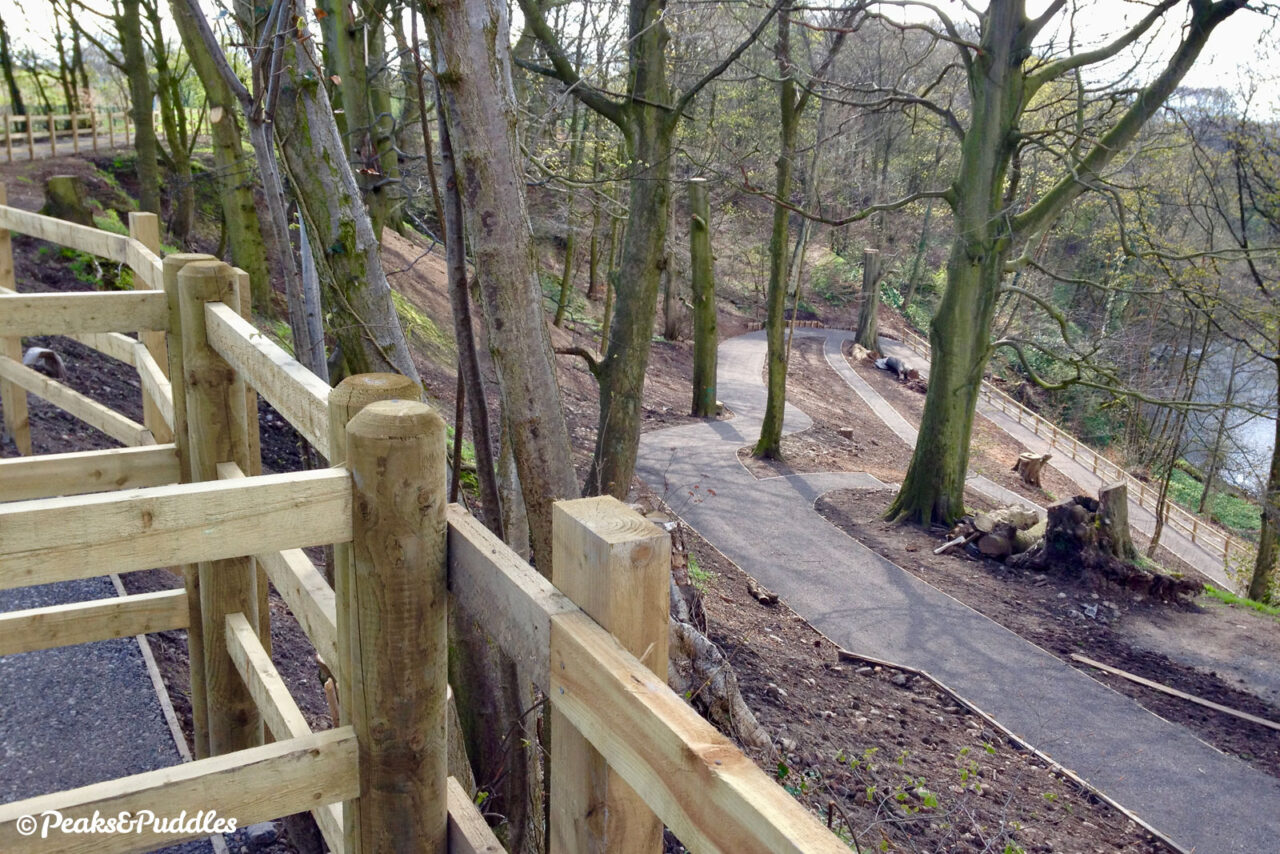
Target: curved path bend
1200, 798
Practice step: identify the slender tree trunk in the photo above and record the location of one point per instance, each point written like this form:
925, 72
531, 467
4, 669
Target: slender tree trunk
469, 43
1214, 462
182, 193
129, 30
769, 446
233, 168
1262, 582
468, 358
702, 283
10, 79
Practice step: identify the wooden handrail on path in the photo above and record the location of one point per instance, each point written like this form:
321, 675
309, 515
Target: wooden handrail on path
628, 756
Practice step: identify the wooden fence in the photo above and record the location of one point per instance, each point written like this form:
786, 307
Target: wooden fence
52, 134
627, 754
1237, 555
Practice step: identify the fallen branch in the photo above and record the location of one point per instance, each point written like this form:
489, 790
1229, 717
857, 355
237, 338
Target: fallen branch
958, 541
1174, 692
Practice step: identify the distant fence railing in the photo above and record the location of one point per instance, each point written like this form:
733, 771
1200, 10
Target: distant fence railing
1236, 555
628, 756
52, 134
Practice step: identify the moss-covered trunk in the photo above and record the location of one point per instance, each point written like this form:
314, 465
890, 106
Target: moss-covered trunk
233, 168
769, 446
703, 285
343, 242
635, 305
138, 71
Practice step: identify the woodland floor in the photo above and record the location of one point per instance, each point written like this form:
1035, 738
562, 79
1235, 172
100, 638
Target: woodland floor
888, 758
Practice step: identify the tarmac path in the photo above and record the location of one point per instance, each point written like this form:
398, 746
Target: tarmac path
1200, 798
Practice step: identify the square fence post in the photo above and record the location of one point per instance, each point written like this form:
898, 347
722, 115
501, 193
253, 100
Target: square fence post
145, 228
615, 565
397, 649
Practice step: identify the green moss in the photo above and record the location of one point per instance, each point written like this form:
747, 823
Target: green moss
110, 221
418, 326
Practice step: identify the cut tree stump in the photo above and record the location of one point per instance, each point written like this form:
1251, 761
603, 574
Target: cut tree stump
1113, 519
1029, 465
64, 198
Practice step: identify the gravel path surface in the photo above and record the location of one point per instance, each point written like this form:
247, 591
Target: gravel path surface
79, 714
1178, 784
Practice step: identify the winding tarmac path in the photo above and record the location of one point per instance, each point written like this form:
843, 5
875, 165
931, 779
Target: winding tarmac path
1203, 800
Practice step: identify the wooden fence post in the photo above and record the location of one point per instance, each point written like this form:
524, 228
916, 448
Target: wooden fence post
397, 606
31, 138
126, 127
53, 136
8, 138
13, 397
173, 265
93, 128
616, 566
215, 428
111, 129
145, 228
350, 396
75, 132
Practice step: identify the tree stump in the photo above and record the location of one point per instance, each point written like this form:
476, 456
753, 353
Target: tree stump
1029, 465
64, 198
1088, 538
1113, 519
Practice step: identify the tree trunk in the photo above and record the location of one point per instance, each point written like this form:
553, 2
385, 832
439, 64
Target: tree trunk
10, 80
933, 489
769, 445
1262, 582
138, 71
868, 334
635, 293
702, 283
233, 168
468, 357
469, 44
343, 241
182, 191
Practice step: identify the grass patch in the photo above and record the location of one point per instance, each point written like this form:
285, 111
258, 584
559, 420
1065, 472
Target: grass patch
1235, 513
1230, 598
110, 221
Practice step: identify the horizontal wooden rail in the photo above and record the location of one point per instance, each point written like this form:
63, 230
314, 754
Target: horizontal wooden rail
154, 382
58, 539
276, 705
145, 264
469, 833
96, 311
118, 427
298, 395
113, 344
85, 472
310, 598
84, 622
516, 602
85, 238
303, 588
712, 796
251, 785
